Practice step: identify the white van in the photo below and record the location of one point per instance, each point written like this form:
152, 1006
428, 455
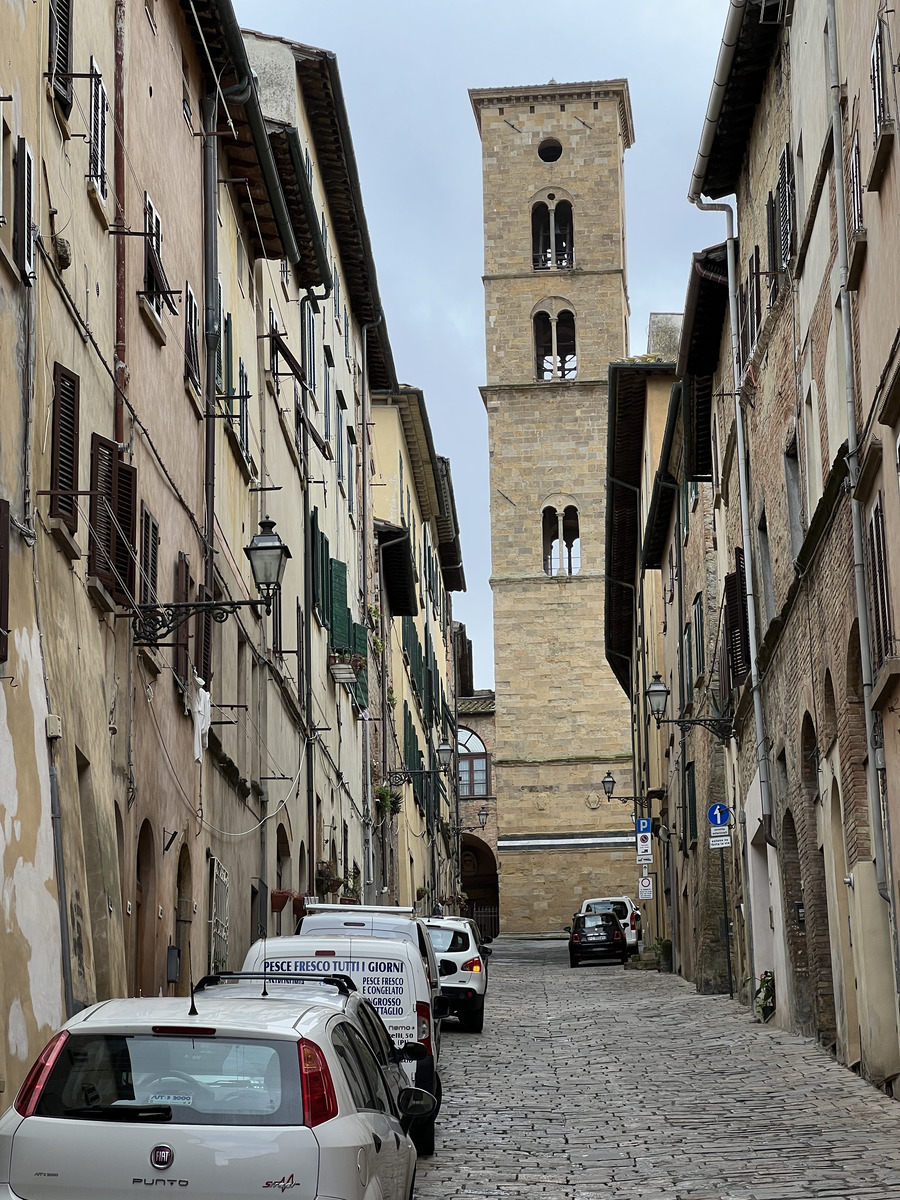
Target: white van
387, 971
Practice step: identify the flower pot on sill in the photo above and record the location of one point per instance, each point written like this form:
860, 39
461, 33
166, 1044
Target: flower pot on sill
278, 898
299, 904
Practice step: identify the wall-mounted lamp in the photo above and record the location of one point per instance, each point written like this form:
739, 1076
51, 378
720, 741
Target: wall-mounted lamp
658, 697
404, 775
268, 557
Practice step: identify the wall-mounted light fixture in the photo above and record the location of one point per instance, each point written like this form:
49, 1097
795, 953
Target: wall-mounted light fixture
658, 697
404, 775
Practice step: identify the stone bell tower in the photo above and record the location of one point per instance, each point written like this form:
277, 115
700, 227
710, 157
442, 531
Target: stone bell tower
556, 309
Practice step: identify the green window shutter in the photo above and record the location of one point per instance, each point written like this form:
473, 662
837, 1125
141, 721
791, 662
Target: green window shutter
360, 646
316, 550
339, 622
325, 580
229, 362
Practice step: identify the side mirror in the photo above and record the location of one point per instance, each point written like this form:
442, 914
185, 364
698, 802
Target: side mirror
447, 967
413, 1104
486, 940
410, 1052
568, 928
440, 1008
486, 952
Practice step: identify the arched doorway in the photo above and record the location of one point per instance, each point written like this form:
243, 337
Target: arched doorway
795, 926
282, 876
846, 1011
145, 915
478, 872
184, 909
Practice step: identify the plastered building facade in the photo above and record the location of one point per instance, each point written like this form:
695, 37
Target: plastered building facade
556, 313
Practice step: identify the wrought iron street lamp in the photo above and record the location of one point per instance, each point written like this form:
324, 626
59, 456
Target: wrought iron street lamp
658, 697
404, 774
268, 557
608, 783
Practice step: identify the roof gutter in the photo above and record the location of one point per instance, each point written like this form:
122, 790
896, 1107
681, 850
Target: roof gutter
238, 51
295, 150
730, 37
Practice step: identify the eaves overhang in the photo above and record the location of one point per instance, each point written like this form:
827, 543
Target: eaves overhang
410, 403
243, 140
447, 525
313, 267
625, 445
705, 309
752, 33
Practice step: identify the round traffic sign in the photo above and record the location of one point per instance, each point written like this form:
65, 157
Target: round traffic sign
718, 814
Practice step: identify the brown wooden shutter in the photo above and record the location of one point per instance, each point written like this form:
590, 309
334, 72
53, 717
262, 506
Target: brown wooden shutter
882, 625
149, 557
60, 56
23, 242
182, 595
203, 640
4, 580
737, 636
113, 519
64, 447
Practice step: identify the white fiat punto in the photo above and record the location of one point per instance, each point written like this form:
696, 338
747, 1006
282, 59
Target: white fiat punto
229, 1098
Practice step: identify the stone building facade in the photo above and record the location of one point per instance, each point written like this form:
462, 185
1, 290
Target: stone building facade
556, 313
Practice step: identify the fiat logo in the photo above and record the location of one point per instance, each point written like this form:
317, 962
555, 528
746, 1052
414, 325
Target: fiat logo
162, 1157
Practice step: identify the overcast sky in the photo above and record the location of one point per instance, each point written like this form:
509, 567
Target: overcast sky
405, 68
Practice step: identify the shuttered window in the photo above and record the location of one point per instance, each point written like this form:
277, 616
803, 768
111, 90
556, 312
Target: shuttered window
688, 665
4, 580
784, 201
23, 233
191, 346
737, 633
149, 557
360, 637
180, 635
879, 591
339, 622
203, 639
321, 578
64, 447
113, 519
97, 147
699, 647
156, 285
60, 56
690, 790
880, 104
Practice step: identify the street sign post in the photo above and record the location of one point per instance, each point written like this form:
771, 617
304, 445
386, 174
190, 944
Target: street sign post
645, 887
642, 824
644, 846
718, 815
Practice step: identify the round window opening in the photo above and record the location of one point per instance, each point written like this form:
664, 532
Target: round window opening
549, 150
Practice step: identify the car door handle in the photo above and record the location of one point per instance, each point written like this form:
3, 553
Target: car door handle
377, 1140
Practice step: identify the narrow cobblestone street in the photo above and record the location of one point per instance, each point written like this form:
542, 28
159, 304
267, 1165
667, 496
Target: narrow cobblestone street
569, 1093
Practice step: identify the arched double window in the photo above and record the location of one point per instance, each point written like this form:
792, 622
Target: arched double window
561, 540
474, 764
554, 344
552, 247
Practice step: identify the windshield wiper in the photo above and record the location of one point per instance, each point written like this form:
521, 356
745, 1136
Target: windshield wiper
127, 1112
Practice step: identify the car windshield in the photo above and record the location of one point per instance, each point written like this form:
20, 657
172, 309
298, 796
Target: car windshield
448, 941
188, 1080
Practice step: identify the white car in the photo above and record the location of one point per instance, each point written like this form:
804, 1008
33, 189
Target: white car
220, 1097
627, 912
459, 940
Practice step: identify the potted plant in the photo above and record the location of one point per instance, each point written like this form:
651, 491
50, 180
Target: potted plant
763, 999
340, 664
278, 898
389, 802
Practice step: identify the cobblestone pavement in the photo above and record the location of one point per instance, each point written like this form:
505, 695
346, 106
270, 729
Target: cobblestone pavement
605, 1084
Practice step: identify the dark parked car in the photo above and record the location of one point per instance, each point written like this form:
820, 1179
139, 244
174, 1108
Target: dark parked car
596, 936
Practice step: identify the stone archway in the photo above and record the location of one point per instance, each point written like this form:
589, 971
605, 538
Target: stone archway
478, 873
184, 911
795, 926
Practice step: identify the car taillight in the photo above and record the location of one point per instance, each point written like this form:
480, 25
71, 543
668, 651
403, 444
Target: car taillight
633, 921
423, 1025
474, 964
576, 937
319, 1100
30, 1092
617, 936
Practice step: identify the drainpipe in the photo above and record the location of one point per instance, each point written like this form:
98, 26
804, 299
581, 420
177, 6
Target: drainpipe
856, 508
369, 848
212, 333
119, 218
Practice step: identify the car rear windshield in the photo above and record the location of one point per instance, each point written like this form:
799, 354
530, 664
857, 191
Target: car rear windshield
448, 941
186, 1080
596, 920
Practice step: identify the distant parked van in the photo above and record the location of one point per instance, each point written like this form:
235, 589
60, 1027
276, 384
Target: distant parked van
388, 972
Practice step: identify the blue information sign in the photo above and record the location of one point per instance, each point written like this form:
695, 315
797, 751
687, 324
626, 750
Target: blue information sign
642, 825
718, 815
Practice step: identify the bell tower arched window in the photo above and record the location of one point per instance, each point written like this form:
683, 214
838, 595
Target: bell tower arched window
554, 345
560, 528
551, 235
474, 764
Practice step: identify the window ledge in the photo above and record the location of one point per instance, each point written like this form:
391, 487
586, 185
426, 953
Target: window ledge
62, 535
883, 144
858, 248
246, 464
151, 658
885, 683
98, 204
193, 394
152, 320
100, 597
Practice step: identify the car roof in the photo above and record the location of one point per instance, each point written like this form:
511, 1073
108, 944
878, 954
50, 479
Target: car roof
232, 1015
448, 922
305, 943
